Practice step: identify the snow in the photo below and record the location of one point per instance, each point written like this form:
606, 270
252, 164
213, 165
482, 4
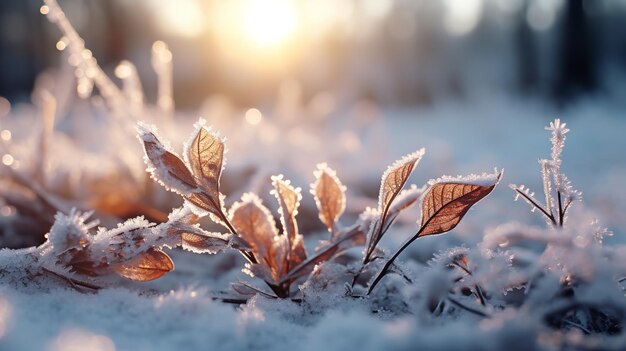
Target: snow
178, 311
484, 179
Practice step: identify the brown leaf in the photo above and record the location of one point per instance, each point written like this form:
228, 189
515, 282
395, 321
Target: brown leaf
148, 265
205, 155
164, 166
255, 224
206, 203
406, 198
395, 177
392, 182
445, 204
199, 243
322, 254
329, 195
289, 200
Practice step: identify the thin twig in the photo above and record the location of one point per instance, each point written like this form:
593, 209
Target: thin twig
561, 212
467, 308
536, 205
74, 283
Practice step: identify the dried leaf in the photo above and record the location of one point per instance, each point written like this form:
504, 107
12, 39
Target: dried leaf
148, 265
207, 203
329, 195
445, 204
278, 259
205, 155
395, 177
289, 200
406, 199
164, 166
199, 243
260, 271
392, 182
238, 243
255, 224
322, 254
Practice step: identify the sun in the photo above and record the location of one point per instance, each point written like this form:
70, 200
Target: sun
268, 23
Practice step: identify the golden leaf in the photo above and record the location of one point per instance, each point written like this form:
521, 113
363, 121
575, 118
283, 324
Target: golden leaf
255, 224
329, 195
148, 265
205, 155
445, 204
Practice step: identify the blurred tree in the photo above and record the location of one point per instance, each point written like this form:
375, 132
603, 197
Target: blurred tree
578, 58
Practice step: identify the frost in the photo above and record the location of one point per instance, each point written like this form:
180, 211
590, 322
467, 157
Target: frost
483, 179
71, 230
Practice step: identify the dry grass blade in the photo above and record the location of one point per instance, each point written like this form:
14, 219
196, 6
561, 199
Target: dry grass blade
205, 155
445, 204
255, 224
148, 265
329, 195
246, 289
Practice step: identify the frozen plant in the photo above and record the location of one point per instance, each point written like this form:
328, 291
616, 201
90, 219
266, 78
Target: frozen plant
554, 182
280, 259
85, 257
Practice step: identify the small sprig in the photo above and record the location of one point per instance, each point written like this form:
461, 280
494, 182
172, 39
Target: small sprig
554, 181
444, 204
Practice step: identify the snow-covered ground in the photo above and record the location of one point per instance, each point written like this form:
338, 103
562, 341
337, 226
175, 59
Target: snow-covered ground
178, 311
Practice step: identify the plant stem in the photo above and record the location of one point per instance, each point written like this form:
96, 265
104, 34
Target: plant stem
389, 262
248, 255
467, 308
536, 205
561, 212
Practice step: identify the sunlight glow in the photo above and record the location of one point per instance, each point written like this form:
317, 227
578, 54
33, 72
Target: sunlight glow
253, 116
267, 23
182, 17
462, 16
7, 159
5, 135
